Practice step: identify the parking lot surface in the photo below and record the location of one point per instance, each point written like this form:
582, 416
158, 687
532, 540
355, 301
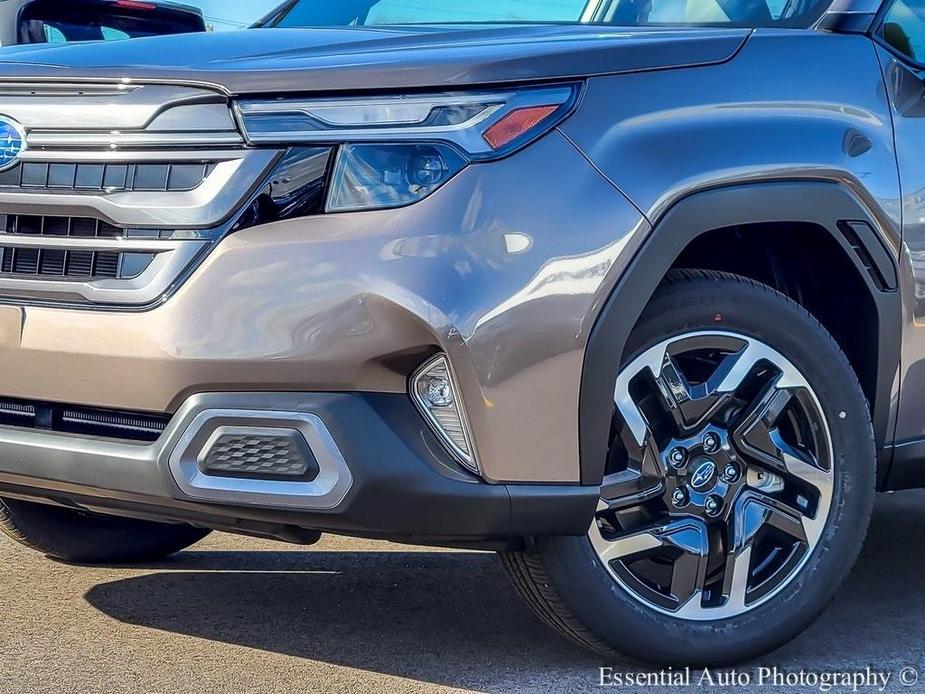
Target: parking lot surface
240, 615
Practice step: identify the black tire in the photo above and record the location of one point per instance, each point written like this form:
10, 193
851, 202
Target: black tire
84, 538
565, 582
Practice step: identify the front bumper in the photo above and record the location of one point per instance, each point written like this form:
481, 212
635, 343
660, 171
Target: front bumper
503, 270
383, 474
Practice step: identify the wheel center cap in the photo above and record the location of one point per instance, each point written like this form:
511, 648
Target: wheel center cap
703, 476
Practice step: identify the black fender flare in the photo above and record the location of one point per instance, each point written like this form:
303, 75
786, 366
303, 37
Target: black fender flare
826, 204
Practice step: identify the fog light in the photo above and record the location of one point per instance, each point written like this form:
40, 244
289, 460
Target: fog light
439, 392
435, 393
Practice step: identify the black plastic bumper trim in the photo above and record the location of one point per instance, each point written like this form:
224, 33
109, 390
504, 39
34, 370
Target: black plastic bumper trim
405, 486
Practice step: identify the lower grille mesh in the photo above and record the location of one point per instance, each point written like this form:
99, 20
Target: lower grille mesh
115, 424
254, 454
66, 262
74, 227
56, 262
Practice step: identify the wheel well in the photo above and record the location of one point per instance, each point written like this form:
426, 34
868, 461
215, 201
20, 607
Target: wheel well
803, 261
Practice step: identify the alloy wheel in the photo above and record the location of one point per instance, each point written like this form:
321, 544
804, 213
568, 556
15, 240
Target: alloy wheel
719, 483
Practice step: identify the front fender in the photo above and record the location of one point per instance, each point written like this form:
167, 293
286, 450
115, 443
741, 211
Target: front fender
821, 203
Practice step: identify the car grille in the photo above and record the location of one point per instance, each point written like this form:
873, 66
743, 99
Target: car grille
118, 192
62, 176
58, 226
54, 262
75, 419
68, 263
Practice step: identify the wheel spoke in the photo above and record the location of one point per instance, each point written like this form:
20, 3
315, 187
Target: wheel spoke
628, 545
754, 510
754, 353
755, 434
688, 534
759, 437
690, 569
691, 405
751, 513
735, 579
688, 404
635, 432
643, 478
629, 488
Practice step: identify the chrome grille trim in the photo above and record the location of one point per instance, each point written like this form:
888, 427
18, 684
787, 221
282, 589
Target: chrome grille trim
95, 139
219, 195
105, 156
171, 258
90, 243
130, 108
88, 128
68, 89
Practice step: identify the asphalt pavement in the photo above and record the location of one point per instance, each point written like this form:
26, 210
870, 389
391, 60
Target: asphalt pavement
239, 615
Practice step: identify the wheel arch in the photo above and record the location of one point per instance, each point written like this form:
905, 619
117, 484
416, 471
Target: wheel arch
824, 205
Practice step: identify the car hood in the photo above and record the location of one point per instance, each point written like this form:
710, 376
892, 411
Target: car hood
260, 61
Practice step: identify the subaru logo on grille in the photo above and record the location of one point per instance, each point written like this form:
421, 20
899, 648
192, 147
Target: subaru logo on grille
12, 142
703, 475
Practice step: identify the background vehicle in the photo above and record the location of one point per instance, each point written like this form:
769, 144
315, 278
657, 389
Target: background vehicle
595, 297
50, 21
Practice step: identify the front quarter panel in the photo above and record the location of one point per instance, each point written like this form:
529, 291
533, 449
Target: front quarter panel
798, 107
790, 105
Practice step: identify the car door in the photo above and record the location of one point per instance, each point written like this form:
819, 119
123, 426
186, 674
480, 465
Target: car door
900, 45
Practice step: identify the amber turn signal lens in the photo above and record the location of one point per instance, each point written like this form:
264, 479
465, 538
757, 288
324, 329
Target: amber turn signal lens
517, 123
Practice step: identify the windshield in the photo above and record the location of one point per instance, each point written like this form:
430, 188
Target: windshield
641, 13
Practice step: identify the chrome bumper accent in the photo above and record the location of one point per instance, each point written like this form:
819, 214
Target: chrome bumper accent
325, 491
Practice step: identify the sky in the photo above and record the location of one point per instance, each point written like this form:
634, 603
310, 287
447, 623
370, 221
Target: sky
235, 14
232, 14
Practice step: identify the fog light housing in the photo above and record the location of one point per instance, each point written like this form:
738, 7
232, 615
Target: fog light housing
434, 391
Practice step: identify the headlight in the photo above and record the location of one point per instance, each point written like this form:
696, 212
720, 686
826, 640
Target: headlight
396, 150
381, 176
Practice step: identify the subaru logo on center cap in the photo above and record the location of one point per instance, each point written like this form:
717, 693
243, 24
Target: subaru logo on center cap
12, 142
703, 475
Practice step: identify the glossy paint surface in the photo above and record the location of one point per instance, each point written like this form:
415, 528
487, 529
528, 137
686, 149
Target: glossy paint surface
791, 105
273, 61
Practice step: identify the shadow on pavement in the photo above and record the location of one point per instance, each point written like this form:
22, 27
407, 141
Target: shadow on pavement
429, 616
444, 618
